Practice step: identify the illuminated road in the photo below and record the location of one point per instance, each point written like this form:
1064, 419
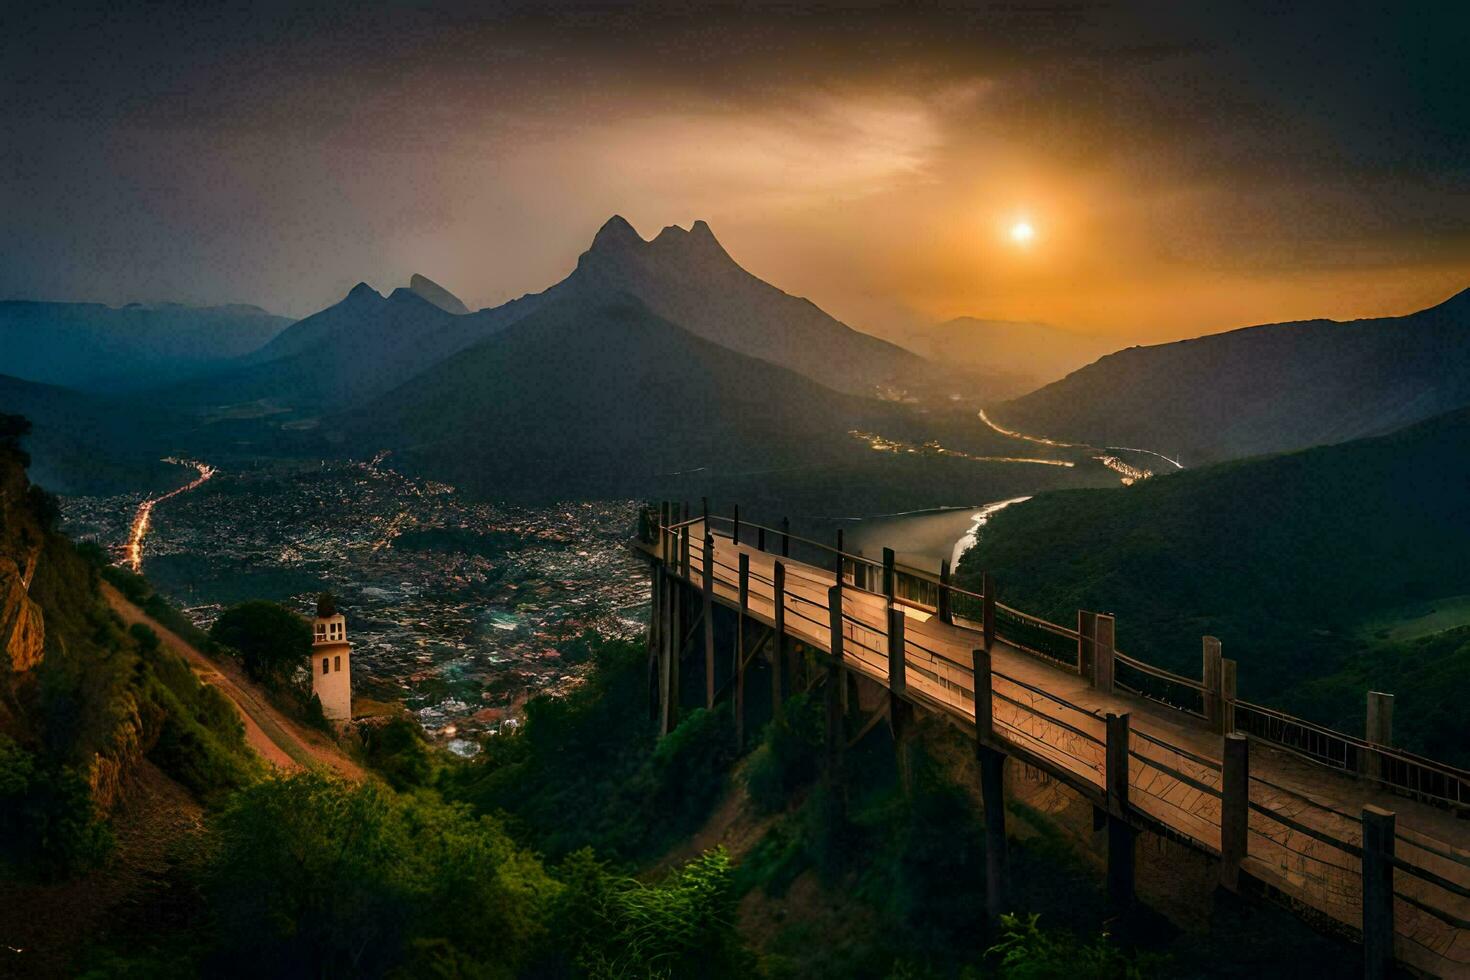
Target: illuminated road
1130, 474
133, 556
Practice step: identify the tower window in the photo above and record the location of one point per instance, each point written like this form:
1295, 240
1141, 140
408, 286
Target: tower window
324, 665
336, 663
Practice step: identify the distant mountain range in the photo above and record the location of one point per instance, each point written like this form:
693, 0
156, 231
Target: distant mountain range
1262, 389
594, 393
1016, 356
126, 348
1292, 560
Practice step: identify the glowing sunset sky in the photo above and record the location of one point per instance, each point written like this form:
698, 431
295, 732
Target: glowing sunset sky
1181, 172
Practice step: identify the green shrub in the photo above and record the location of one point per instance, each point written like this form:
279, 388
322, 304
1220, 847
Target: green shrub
49, 826
398, 752
788, 756
683, 926
314, 876
1028, 952
271, 640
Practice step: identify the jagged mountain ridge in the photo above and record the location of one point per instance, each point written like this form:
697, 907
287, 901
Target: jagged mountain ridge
1262, 389
687, 277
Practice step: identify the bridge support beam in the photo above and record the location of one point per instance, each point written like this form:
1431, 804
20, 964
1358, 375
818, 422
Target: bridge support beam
1121, 836
779, 680
1378, 838
709, 620
900, 712
1234, 809
740, 652
992, 792
836, 737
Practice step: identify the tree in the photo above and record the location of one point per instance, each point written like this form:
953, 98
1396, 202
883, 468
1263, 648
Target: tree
271, 640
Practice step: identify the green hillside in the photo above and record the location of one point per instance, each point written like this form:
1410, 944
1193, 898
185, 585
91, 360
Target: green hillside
1288, 559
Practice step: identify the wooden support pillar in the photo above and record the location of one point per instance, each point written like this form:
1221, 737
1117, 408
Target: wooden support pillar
684, 552
785, 537
735, 524
778, 642
836, 737
888, 582
943, 602
673, 648
704, 512
653, 640
1120, 834
740, 652
1378, 847
1234, 809
992, 791
1102, 653
1379, 731
1210, 676
709, 620
899, 710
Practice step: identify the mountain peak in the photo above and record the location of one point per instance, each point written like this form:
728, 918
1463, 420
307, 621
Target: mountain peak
361, 292
437, 294
616, 233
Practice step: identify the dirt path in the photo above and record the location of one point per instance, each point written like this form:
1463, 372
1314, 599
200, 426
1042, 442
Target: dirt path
278, 739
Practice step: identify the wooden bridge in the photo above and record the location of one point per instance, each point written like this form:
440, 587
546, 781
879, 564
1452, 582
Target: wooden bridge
1368, 840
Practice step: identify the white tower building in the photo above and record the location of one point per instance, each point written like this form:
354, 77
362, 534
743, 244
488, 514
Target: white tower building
331, 662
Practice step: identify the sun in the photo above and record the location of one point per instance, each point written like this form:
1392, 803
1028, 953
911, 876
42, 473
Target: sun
1022, 233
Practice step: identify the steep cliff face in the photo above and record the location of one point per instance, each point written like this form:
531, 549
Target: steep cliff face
22, 625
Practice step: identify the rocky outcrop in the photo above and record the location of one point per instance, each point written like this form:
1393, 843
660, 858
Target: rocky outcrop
22, 627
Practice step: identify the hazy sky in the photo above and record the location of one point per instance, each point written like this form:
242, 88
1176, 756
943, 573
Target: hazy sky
1183, 170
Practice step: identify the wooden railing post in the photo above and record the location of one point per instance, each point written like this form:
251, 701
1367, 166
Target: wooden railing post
1102, 658
1120, 834
760, 537
1227, 694
897, 668
942, 604
1378, 848
888, 582
740, 652
1086, 641
684, 552
987, 609
785, 537
837, 562
709, 619
704, 511
1235, 778
1210, 677
1378, 732
735, 524
992, 790
778, 642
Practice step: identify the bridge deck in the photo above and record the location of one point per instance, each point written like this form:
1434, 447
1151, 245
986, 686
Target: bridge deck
1304, 829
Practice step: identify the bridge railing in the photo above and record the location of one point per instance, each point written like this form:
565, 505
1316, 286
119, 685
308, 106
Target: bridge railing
1060, 646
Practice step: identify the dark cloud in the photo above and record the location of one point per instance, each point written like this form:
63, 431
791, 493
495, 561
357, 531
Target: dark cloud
214, 151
